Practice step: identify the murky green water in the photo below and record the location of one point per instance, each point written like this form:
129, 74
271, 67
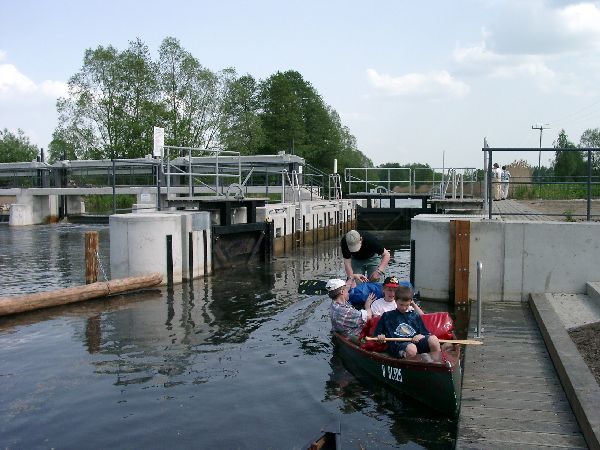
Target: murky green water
236, 360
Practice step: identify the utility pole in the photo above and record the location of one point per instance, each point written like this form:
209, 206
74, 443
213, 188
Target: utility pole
541, 128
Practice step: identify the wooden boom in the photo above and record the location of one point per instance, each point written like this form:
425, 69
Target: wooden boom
15, 305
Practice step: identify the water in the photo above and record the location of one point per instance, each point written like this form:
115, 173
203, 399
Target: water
236, 360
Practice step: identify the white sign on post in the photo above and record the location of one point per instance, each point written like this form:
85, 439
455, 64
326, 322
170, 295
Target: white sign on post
159, 141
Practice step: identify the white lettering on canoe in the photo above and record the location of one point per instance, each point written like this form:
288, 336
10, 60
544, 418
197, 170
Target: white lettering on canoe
393, 373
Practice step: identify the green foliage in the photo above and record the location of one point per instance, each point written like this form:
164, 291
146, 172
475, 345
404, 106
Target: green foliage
591, 139
241, 129
569, 216
103, 204
112, 106
422, 174
16, 147
295, 119
555, 191
282, 96
568, 164
193, 97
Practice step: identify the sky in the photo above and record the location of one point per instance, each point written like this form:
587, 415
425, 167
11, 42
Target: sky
414, 81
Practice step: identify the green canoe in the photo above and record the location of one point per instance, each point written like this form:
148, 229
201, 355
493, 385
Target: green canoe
434, 384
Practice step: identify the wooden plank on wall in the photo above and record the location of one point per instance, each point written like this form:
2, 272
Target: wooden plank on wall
451, 259
461, 262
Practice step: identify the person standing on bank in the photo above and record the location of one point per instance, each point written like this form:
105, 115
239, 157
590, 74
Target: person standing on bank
505, 178
497, 176
364, 257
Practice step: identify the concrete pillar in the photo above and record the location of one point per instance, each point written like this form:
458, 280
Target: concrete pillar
33, 209
202, 247
138, 244
146, 202
198, 224
75, 206
20, 214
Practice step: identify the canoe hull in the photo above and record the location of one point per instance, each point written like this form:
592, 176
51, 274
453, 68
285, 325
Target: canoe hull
435, 385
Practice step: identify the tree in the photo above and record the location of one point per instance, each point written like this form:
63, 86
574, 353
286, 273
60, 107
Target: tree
241, 129
591, 139
282, 119
16, 147
112, 105
568, 164
193, 97
295, 119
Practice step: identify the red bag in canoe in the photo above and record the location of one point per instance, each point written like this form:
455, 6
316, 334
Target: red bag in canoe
368, 330
439, 324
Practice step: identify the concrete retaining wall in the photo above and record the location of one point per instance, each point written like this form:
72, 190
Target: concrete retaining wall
518, 257
138, 244
317, 220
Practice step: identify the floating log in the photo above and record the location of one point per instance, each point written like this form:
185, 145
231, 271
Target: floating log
15, 305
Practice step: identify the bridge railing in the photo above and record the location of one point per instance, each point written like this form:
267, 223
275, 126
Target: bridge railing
417, 180
375, 179
581, 188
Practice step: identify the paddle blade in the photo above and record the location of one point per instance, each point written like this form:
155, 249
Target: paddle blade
312, 287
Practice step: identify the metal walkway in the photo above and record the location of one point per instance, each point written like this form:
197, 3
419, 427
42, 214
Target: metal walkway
511, 396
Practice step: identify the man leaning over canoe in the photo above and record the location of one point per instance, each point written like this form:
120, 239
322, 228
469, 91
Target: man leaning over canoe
404, 322
364, 254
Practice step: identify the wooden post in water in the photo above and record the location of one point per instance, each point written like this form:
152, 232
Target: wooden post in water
91, 260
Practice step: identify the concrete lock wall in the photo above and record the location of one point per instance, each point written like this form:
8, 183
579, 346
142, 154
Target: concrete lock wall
138, 244
280, 214
33, 209
197, 223
202, 247
313, 214
518, 257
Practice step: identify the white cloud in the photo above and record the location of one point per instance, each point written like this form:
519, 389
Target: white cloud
582, 19
15, 83
54, 88
474, 54
432, 84
11, 80
26, 104
530, 40
537, 27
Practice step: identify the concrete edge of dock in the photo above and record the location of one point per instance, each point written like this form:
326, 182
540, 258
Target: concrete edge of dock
575, 376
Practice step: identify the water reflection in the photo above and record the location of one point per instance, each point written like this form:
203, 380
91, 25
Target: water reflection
409, 422
237, 347
43, 257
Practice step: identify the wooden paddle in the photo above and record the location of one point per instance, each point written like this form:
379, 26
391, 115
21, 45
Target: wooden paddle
443, 341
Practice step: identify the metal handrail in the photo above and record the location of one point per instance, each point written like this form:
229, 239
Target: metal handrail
479, 328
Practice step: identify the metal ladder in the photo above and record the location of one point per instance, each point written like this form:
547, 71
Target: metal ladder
335, 186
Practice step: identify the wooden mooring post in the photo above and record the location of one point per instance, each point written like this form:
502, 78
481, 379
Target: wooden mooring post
460, 245
91, 257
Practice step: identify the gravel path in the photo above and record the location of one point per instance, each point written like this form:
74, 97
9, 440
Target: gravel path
577, 209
